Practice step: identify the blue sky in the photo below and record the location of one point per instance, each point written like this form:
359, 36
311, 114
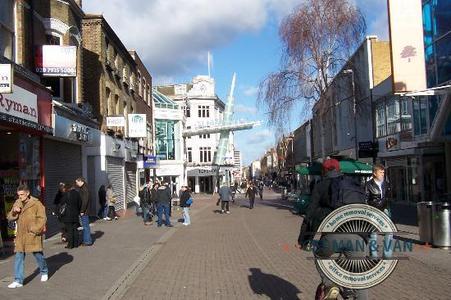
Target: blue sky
173, 38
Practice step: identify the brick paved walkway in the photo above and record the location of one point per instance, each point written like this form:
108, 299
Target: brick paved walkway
250, 254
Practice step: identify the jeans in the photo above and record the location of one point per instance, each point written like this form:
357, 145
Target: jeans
146, 213
163, 208
19, 265
86, 230
186, 217
225, 205
387, 246
103, 211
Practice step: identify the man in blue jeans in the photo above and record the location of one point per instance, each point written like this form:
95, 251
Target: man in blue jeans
29, 214
84, 194
163, 204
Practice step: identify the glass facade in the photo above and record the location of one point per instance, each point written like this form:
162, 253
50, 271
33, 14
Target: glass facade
437, 40
164, 139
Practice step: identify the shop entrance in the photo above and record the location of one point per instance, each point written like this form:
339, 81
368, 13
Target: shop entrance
206, 184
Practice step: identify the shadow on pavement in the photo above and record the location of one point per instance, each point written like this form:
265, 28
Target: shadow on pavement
54, 263
97, 235
272, 286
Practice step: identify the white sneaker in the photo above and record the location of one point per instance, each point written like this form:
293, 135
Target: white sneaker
44, 278
14, 285
222, 211
186, 224
227, 212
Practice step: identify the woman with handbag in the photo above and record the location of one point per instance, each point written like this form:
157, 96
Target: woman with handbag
69, 211
185, 203
111, 200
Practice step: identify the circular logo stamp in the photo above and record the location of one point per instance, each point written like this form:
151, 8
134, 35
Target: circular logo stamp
351, 222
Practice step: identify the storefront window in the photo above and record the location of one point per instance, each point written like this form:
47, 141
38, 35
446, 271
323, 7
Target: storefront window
165, 144
406, 116
393, 116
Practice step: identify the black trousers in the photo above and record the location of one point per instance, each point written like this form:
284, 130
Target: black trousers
72, 234
225, 205
251, 202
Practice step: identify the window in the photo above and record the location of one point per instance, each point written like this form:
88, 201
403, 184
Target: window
189, 154
393, 116
204, 136
420, 115
204, 111
406, 115
186, 111
205, 154
7, 29
380, 119
443, 59
164, 139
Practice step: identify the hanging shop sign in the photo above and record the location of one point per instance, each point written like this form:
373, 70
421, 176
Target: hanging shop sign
115, 121
6, 78
53, 60
137, 125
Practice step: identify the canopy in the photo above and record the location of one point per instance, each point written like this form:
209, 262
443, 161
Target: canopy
347, 166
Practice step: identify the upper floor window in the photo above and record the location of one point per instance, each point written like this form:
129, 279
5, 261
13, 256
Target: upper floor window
7, 29
205, 154
189, 154
187, 111
204, 136
203, 111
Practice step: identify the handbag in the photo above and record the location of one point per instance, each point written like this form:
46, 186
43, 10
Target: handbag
189, 201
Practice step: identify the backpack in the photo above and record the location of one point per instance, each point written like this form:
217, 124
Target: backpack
345, 190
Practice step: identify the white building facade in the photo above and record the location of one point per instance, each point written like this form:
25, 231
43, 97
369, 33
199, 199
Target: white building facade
201, 105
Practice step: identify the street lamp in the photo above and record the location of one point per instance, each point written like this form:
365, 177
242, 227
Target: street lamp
354, 110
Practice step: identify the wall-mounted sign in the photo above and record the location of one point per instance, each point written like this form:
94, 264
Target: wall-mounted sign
6, 78
21, 103
115, 121
150, 161
81, 132
137, 125
53, 60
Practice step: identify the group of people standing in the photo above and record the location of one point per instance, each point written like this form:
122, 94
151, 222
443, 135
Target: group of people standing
157, 198
107, 200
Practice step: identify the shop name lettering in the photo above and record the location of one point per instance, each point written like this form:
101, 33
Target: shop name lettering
8, 104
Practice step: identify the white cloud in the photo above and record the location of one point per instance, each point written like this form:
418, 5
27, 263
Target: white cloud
240, 108
171, 36
251, 91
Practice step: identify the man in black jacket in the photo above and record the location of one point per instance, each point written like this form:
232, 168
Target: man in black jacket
84, 194
377, 191
318, 209
163, 205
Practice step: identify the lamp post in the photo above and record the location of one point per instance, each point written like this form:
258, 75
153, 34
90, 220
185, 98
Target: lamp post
354, 110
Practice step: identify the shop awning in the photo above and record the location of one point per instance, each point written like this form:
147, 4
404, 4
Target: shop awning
347, 166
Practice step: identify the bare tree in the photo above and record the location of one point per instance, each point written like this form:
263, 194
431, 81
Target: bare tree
318, 37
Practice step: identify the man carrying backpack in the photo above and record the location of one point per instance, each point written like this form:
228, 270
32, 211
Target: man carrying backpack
333, 191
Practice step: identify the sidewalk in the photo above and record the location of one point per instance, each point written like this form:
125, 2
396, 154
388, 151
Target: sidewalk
250, 254
85, 272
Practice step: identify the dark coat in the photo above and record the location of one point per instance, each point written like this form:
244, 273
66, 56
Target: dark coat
164, 195
84, 194
251, 192
102, 195
183, 198
72, 200
374, 196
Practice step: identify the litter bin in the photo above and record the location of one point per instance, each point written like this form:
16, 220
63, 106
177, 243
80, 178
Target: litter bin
441, 224
424, 213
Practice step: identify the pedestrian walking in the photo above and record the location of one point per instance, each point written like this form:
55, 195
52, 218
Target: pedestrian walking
111, 201
225, 195
325, 199
186, 202
163, 197
260, 189
57, 202
377, 190
70, 212
84, 194
103, 209
30, 217
251, 192
145, 203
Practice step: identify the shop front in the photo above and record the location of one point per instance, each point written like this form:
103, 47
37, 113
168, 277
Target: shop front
25, 117
203, 179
